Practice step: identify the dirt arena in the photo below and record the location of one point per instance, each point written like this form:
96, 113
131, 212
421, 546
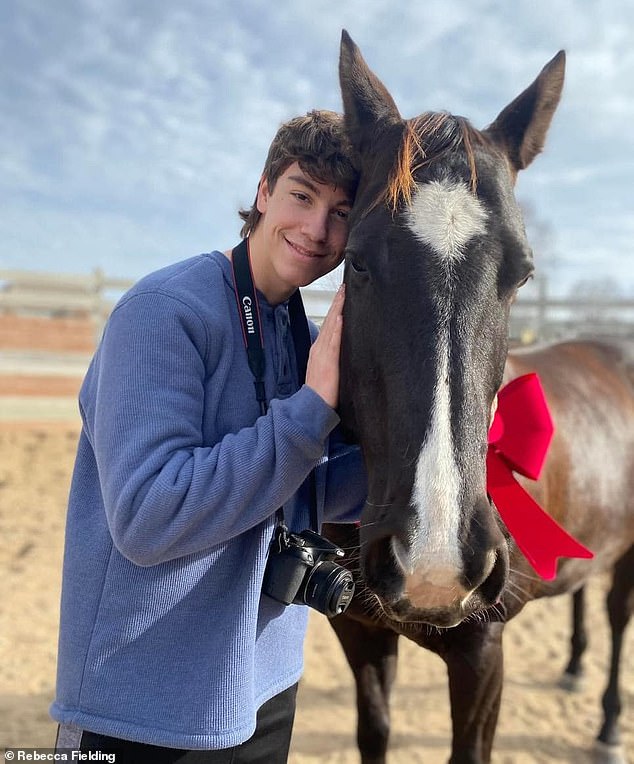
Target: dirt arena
539, 722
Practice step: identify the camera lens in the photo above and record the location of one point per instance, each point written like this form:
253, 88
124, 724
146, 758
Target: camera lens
329, 588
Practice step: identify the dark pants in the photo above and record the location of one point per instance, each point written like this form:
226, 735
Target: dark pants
268, 745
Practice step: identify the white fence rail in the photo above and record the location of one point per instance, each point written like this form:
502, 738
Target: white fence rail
59, 293
93, 294
534, 316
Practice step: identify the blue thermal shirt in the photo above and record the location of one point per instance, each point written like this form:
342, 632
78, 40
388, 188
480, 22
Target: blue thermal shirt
165, 637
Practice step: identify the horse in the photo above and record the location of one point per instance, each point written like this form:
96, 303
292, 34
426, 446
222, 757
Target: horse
436, 253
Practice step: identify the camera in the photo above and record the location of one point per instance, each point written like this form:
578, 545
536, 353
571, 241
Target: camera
300, 570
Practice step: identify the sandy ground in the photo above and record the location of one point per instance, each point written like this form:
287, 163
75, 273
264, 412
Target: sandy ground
539, 722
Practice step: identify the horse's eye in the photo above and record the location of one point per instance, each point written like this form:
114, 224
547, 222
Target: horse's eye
524, 281
355, 266
519, 286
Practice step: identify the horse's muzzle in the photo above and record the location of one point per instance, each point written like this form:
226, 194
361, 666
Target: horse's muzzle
442, 587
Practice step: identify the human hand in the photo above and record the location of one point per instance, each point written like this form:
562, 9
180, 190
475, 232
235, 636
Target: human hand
322, 371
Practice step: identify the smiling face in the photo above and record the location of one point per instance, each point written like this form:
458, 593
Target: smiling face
301, 234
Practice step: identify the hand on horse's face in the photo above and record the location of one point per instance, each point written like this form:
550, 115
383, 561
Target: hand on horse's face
322, 372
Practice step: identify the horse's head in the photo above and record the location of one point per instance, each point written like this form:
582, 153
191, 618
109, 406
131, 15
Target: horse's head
436, 253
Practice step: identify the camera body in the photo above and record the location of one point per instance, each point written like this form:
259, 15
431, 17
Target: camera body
301, 570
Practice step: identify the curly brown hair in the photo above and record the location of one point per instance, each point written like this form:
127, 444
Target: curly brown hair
318, 143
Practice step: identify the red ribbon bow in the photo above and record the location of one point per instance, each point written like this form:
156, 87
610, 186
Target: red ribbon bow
518, 441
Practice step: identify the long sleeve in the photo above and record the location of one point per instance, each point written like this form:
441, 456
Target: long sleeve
171, 515
167, 493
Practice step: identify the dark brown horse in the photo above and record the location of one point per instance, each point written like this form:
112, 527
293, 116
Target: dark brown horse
436, 253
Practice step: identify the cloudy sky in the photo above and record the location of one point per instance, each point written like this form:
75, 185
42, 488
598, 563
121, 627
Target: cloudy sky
132, 130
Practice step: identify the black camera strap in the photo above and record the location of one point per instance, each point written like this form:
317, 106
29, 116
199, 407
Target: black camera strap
249, 312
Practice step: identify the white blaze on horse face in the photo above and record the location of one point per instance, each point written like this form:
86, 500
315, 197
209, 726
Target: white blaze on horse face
435, 498
445, 215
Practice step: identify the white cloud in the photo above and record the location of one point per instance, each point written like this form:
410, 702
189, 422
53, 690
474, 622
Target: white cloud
119, 115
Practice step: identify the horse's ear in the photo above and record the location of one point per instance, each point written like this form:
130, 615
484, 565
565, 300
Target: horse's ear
366, 101
522, 126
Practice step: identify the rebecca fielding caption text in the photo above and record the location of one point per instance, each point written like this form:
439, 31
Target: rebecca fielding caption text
39, 754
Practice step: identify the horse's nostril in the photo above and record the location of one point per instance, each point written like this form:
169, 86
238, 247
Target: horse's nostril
381, 571
491, 589
491, 559
402, 556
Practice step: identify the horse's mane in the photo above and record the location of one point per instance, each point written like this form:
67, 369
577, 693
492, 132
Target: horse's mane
426, 138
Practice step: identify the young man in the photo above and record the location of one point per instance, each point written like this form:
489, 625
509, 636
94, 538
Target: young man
169, 651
